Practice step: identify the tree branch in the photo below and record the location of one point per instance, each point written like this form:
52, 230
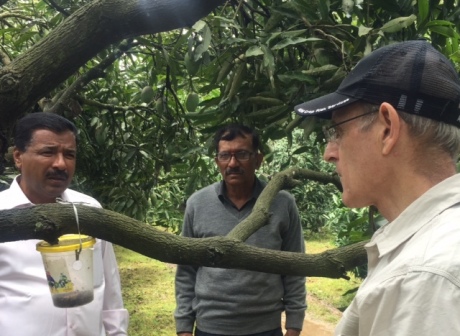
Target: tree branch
50, 221
118, 107
286, 179
80, 37
55, 6
7, 15
5, 59
96, 72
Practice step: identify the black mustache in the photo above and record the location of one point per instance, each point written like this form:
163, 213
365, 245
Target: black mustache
59, 174
233, 171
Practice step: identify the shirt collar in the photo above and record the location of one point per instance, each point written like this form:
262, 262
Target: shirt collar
437, 199
21, 199
258, 187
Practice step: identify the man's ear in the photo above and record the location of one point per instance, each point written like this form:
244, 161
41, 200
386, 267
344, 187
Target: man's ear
17, 158
391, 131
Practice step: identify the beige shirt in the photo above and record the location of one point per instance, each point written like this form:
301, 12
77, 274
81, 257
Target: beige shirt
413, 282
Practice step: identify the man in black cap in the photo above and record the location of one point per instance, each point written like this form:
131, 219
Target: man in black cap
394, 138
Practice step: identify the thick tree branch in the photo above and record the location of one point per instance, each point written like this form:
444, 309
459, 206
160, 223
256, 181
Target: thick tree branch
53, 220
286, 179
260, 214
50, 221
62, 102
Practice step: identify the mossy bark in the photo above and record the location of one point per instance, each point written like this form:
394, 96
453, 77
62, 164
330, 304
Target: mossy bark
50, 221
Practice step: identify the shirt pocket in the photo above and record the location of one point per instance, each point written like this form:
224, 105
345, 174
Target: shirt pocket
98, 271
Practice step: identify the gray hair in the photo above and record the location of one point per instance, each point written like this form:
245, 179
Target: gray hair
432, 133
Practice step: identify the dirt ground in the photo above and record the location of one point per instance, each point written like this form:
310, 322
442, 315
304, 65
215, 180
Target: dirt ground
314, 327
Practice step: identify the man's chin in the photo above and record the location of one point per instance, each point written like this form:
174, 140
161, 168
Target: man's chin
57, 186
234, 179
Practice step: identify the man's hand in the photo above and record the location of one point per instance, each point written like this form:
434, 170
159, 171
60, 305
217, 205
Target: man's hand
292, 332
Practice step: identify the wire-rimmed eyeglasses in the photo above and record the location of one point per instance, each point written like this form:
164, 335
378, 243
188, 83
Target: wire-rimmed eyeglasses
330, 131
239, 156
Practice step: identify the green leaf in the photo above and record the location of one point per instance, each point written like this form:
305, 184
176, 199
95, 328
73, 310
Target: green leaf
269, 59
301, 150
439, 23
423, 10
199, 51
254, 51
207, 36
398, 24
292, 41
445, 31
296, 76
324, 8
363, 30
144, 154
321, 70
295, 33
199, 25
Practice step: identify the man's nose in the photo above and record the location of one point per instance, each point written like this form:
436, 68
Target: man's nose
330, 153
233, 161
59, 162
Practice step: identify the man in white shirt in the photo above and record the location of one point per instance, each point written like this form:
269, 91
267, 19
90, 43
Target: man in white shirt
395, 140
45, 154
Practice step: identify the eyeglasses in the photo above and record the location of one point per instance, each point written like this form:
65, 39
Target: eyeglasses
239, 156
330, 131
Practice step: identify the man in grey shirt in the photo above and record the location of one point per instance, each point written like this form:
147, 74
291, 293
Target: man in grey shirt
236, 302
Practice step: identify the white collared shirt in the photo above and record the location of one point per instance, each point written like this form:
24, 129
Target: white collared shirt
413, 282
26, 307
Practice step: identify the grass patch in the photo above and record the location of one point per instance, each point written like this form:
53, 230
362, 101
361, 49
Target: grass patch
148, 291
327, 298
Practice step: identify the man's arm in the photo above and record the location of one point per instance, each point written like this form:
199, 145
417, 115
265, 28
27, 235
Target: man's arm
185, 287
294, 286
419, 302
114, 316
292, 332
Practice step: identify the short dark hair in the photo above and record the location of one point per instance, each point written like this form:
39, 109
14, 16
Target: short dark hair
231, 131
32, 122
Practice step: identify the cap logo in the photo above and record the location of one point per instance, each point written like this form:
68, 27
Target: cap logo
418, 105
338, 104
402, 102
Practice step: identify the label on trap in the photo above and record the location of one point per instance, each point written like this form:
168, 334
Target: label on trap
58, 277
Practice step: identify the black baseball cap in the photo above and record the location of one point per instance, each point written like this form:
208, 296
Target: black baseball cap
412, 76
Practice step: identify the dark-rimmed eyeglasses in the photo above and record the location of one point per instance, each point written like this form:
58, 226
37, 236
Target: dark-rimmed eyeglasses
239, 156
330, 131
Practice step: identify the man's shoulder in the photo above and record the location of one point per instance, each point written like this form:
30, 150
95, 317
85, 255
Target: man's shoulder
211, 189
285, 196
6, 199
